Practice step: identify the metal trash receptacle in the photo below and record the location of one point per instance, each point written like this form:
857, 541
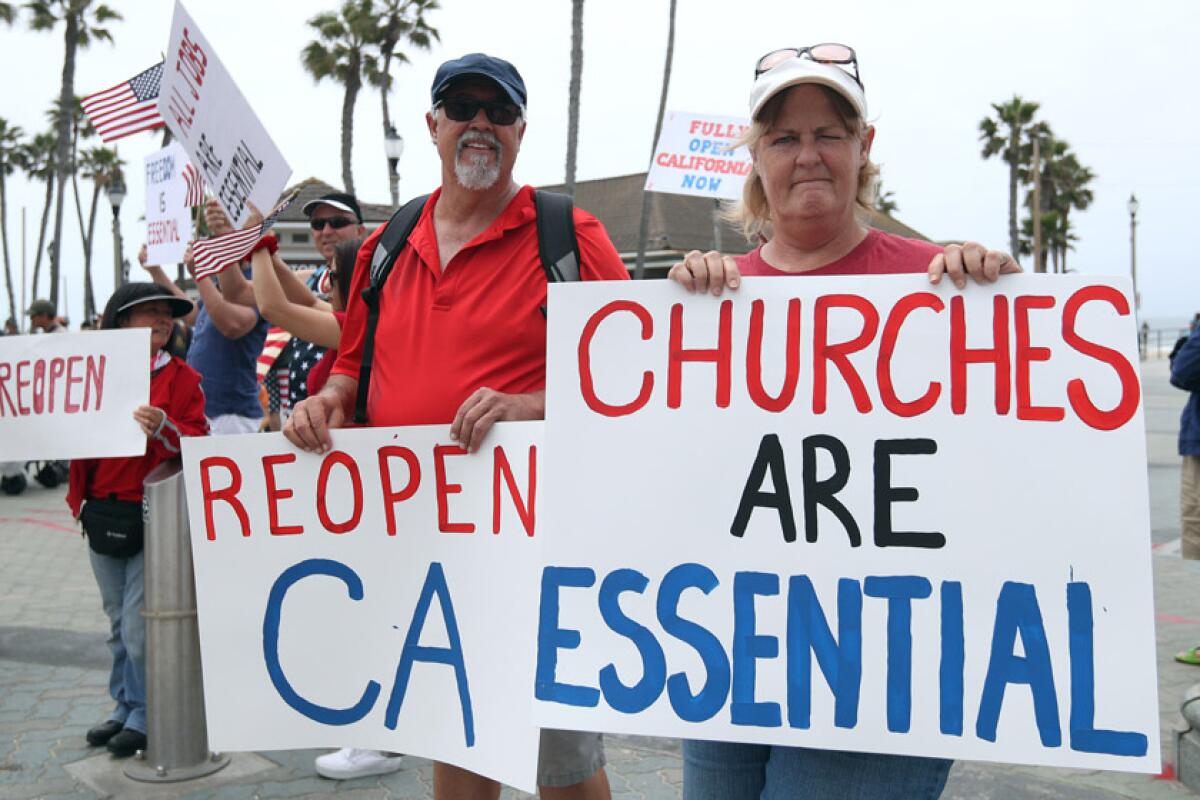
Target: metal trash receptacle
177, 735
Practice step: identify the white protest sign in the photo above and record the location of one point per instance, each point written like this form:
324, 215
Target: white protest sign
208, 114
868, 515
694, 156
168, 219
72, 395
382, 596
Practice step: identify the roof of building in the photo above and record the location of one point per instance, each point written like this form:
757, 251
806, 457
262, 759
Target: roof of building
312, 188
678, 222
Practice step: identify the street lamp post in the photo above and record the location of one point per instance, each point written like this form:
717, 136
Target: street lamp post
393, 146
115, 188
1133, 209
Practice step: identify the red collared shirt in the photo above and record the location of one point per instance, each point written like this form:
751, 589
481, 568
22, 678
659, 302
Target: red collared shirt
444, 334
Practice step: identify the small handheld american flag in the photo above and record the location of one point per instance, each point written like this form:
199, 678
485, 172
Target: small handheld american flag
213, 254
194, 181
127, 108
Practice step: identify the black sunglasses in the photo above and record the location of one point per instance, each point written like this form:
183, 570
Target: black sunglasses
827, 53
337, 223
464, 109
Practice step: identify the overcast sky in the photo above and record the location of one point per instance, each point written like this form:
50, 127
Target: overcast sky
1117, 84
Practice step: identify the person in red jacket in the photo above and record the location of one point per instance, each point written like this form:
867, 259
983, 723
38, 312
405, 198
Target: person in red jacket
105, 494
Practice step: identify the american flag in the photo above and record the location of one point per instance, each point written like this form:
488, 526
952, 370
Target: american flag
213, 254
194, 195
127, 108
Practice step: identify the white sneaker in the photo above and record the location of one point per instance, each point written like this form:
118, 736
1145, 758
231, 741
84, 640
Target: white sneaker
350, 762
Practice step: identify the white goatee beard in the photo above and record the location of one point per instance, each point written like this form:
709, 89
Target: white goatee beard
477, 174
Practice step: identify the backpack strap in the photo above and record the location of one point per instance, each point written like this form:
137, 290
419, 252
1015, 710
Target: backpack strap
387, 248
558, 250
557, 245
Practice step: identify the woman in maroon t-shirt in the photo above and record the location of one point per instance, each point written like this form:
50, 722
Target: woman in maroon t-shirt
811, 147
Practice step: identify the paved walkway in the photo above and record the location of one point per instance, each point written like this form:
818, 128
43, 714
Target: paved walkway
53, 673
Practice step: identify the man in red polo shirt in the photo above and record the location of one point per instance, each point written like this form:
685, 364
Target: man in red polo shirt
461, 337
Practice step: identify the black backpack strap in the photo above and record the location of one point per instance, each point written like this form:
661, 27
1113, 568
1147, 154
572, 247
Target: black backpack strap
558, 247
387, 248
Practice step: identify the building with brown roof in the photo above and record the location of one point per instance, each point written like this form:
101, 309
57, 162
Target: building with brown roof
678, 223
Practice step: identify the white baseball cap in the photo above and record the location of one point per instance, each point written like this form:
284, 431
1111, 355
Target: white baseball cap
796, 71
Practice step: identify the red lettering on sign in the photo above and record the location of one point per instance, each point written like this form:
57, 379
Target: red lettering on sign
390, 495
275, 494
445, 489
228, 494
525, 509
721, 355
887, 348
338, 457
791, 374
586, 383
1076, 390
838, 354
1025, 355
961, 355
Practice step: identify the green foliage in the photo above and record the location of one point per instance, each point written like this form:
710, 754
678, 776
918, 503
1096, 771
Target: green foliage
885, 201
44, 15
12, 148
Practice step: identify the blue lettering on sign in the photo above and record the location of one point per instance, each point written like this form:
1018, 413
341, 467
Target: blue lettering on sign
748, 647
950, 672
730, 672
900, 591
1017, 611
552, 638
1085, 738
414, 651
808, 635
710, 699
290, 576
701, 183
640, 696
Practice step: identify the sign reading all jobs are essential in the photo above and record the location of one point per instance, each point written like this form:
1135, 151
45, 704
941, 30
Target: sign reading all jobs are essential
695, 155
380, 596
863, 515
72, 395
225, 139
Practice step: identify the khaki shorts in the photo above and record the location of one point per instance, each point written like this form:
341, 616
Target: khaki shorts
566, 758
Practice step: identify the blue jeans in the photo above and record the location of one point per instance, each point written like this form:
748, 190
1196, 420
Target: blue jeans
122, 591
730, 771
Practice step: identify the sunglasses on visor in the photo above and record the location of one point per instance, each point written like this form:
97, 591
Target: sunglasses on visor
464, 109
827, 53
337, 223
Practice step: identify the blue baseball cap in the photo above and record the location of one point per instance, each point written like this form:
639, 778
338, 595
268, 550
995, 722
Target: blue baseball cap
479, 65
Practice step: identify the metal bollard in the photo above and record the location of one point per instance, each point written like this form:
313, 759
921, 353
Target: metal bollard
176, 728
1187, 741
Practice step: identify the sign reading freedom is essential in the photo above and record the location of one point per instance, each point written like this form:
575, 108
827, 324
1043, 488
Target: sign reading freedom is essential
854, 514
72, 395
694, 156
168, 219
223, 136
382, 596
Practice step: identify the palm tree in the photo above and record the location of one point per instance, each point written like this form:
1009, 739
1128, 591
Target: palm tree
573, 95
7, 14
98, 164
640, 268
340, 54
83, 22
885, 201
39, 164
1003, 135
11, 158
81, 128
397, 20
